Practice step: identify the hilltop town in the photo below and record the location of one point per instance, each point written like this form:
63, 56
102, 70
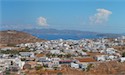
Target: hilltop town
64, 57
62, 37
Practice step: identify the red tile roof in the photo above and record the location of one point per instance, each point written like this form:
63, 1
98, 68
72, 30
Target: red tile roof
88, 59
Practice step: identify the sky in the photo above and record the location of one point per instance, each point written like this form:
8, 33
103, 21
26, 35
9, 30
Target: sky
106, 16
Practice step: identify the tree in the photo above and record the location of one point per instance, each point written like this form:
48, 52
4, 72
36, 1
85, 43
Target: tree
23, 59
89, 66
60, 55
7, 72
55, 67
10, 52
38, 67
48, 55
68, 55
123, 54
84, 50
53, 55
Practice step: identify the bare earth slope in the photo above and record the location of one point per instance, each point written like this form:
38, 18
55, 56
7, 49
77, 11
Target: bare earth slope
16, 37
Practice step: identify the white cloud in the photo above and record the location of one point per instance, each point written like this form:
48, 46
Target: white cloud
100, 17
42, 21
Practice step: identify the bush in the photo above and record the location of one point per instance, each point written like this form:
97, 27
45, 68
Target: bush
59, 73
11, 45
38, 67
123, 54
9, 52
25, 50
84, 50
7, 72
55, 68
68, 55
89, 66
48, 55
23, 59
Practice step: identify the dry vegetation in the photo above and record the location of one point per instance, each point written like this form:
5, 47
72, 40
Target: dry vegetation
105, 68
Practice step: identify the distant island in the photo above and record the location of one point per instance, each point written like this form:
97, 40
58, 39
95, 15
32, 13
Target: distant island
53, 34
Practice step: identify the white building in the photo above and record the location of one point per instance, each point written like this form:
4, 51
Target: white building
27, 54
110, 51
100, 57
74, 65
83, 65
55, 51
7, 48
122, 59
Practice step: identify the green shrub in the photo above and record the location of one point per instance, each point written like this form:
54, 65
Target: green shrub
84, 50
38, 67
123, 54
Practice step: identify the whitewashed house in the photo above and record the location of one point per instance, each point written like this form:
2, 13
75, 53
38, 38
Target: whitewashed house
6, 48
55, 51
19, 62
102, 51
83, 65
110, 51
84, 53
27, 54
100, 57
69, 51
7, 63
111, 57
74, 65
122, 59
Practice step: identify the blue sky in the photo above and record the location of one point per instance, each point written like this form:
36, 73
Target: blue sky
106, 16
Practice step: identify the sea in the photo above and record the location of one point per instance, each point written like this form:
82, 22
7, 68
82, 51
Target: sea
66, 37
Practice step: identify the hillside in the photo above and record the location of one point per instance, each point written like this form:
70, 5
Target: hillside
16, 37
